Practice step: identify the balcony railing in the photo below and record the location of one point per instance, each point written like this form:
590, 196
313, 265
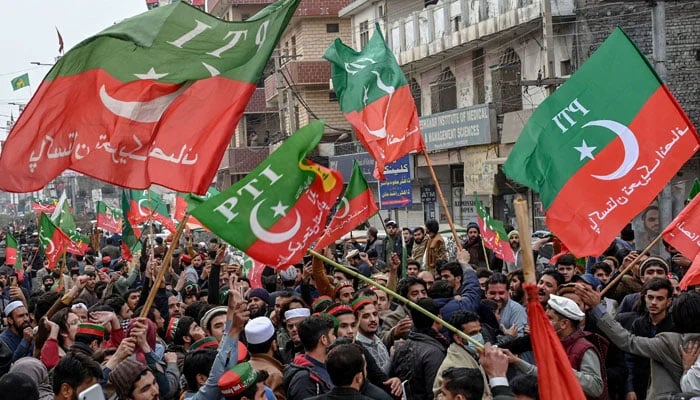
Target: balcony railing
242, 160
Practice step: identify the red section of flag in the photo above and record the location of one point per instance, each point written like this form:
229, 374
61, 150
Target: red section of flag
683, 233
59, 243
109, 223
692, 277
555, 378
357, 211
499, 245
181, 150
558, 244
588, 213
180, 209
394, 121
255, 274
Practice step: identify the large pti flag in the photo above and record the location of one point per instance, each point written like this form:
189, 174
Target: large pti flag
160, 95
278, 210
356, 206
602, 146
52, 239
375, 97
493, 234
47, 206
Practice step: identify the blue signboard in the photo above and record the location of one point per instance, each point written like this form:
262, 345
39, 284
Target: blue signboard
395, 191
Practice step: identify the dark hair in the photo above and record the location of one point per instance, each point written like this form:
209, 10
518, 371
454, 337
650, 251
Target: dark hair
463, 317
285, 306
517, 273
194, 309
496, 279
686, 312
364, 292
420, 321
343, 363
432, 226
454, 268
183, 329
601, 265
18, 386
87, 338
115, 303
74, 369
554, 274
405, 283
261, 348
311, 329
483, 273
525, 385
566, 259
60, 318
657, 284
418, 228
44, 303
469, 382
197, 362
413, 262
441, 289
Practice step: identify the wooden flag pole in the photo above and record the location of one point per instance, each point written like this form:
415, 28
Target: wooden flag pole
634, 262
406, 301
521, 214
458, 243
486, 255
165, 266
150, 225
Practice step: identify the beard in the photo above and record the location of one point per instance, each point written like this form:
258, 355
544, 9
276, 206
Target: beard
260, 312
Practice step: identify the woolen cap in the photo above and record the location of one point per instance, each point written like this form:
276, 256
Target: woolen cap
206, 318
513, 233
124, 375
259, 330
260, 293
566, 307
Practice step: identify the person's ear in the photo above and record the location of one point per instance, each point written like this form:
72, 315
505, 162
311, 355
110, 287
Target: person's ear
67, 391
201, 379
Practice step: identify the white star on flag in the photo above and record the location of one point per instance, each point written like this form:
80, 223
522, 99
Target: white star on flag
279, 209
151, 74
585, 151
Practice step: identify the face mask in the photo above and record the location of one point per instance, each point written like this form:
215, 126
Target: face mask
478, 337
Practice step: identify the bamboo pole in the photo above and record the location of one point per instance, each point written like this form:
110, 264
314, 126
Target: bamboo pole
521, 214
164, 266
458, 243
634, 262
486, 255
406, 301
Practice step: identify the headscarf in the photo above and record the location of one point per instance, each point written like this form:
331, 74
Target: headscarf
150, 339
36, 370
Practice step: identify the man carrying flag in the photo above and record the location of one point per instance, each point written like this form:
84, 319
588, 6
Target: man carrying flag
375, 97
356, 206
277, 211
614, 132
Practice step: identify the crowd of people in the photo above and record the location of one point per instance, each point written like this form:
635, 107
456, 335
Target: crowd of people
83, 328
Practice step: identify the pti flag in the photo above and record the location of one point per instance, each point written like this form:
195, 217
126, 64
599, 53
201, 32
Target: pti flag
145, 205
160, 95
52, 239
13, 254
46, 206
356, 206
63, 218
185, 201
493, 234
602, 146
130, 234
375, 97
683, 233
278, 210
109, 218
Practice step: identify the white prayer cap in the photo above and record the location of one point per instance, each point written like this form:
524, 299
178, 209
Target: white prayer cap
12, 307
566, 307
297, 312
259, 330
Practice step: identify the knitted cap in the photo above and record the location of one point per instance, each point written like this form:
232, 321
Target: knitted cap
206, 343
237, 379
172, 328
206, 318
361, 302
91, 329
260, 293
124, 375
321, 303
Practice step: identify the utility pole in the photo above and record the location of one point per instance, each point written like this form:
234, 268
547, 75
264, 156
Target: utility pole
548, 36
280, 90
658, 27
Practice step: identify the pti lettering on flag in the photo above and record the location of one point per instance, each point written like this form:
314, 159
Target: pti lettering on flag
602, 146
160, 95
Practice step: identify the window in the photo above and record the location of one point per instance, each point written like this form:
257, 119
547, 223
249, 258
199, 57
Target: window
332, 97
364, 33
380, 11
457, 22
332, 28
565, 67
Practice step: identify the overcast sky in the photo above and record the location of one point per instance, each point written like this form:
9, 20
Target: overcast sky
28, 32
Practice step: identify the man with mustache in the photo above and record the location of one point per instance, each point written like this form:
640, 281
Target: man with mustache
19, 335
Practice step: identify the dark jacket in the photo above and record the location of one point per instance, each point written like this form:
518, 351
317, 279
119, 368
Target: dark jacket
417, 360
339, 393
470, 296
303, 379
640, 367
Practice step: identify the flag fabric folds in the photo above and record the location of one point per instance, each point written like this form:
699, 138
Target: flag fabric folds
376, 99
493, 234
683, 233
13, 253
63, 218
20, 82
130, 234
53, 240
160, 95
356, 206
602, 146
46, 206
145, 205
185, 201
109, 218
278, 210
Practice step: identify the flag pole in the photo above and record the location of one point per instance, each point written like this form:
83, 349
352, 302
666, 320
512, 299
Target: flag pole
406, 301
442, 200
150, 225
60, 271
486, 257
634, 262
163, 268
521, 215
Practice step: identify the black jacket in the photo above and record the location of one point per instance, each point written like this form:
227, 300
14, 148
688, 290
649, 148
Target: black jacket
418, 360
339, 393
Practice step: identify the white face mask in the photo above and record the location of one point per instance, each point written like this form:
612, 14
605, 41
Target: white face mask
478, 337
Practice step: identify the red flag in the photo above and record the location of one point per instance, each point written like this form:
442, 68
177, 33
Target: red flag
493, 234
60, 42
54, 241
692, 277
555, 378
683, 233
557, 243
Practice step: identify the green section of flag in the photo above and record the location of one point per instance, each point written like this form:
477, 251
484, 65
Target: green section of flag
351, 70
198, 44
490, 223
613, 84
284, 175
129, 238
694, 190
13, 247
358, 183
20, 82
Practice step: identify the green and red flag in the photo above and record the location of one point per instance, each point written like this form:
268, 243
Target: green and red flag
683, 233
278, 210
46, 206
183, 201
493, 233
603, 146
252, 270
63, 218
130, 234
109, 218
376, 99
160, 96
13, 254
147, 205
356, 206
694, 190
52, 239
